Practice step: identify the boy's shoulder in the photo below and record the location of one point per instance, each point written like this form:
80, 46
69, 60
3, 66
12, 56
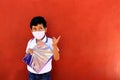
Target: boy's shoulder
30, 40
49, 38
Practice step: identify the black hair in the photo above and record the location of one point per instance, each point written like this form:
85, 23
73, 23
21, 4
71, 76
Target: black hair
38, 20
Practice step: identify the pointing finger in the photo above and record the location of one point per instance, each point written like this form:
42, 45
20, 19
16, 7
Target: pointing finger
58, 38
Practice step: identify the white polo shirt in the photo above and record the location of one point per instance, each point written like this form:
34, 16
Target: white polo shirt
48, 66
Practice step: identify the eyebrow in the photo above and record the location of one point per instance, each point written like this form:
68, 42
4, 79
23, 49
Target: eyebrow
33, 27
39, 26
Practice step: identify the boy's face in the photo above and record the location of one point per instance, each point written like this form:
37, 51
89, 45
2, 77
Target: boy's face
39, 27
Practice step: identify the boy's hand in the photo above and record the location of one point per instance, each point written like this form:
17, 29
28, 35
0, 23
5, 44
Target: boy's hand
55, 40
30, 51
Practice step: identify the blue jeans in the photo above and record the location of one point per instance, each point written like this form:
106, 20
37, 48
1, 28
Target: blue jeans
45, 76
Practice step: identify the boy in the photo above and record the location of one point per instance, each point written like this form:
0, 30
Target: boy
38, 29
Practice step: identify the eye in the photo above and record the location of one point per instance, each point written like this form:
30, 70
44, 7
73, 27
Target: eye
40, 28
33, 29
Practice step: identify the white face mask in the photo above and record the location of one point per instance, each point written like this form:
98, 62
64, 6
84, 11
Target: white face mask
38, 34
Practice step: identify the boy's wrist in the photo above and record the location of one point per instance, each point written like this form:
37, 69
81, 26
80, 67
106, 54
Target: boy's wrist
54, 45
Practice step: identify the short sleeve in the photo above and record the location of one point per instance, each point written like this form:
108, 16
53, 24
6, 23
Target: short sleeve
28, 45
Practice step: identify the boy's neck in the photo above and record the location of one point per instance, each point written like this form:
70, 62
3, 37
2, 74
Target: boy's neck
40, 39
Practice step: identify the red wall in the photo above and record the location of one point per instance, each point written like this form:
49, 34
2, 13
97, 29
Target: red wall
90, 43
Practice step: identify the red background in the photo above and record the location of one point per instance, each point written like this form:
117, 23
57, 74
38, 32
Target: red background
90, 42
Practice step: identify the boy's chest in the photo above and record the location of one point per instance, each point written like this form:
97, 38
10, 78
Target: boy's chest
34, 44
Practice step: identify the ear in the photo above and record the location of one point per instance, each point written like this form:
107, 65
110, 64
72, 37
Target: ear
45, 30
31, 30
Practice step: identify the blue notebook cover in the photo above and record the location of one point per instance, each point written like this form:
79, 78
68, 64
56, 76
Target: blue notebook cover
27, 59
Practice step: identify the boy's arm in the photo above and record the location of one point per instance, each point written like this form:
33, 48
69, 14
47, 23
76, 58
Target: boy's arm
28, 49
56, 54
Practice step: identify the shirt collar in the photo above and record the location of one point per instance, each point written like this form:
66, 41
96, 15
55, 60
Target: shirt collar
44, 39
